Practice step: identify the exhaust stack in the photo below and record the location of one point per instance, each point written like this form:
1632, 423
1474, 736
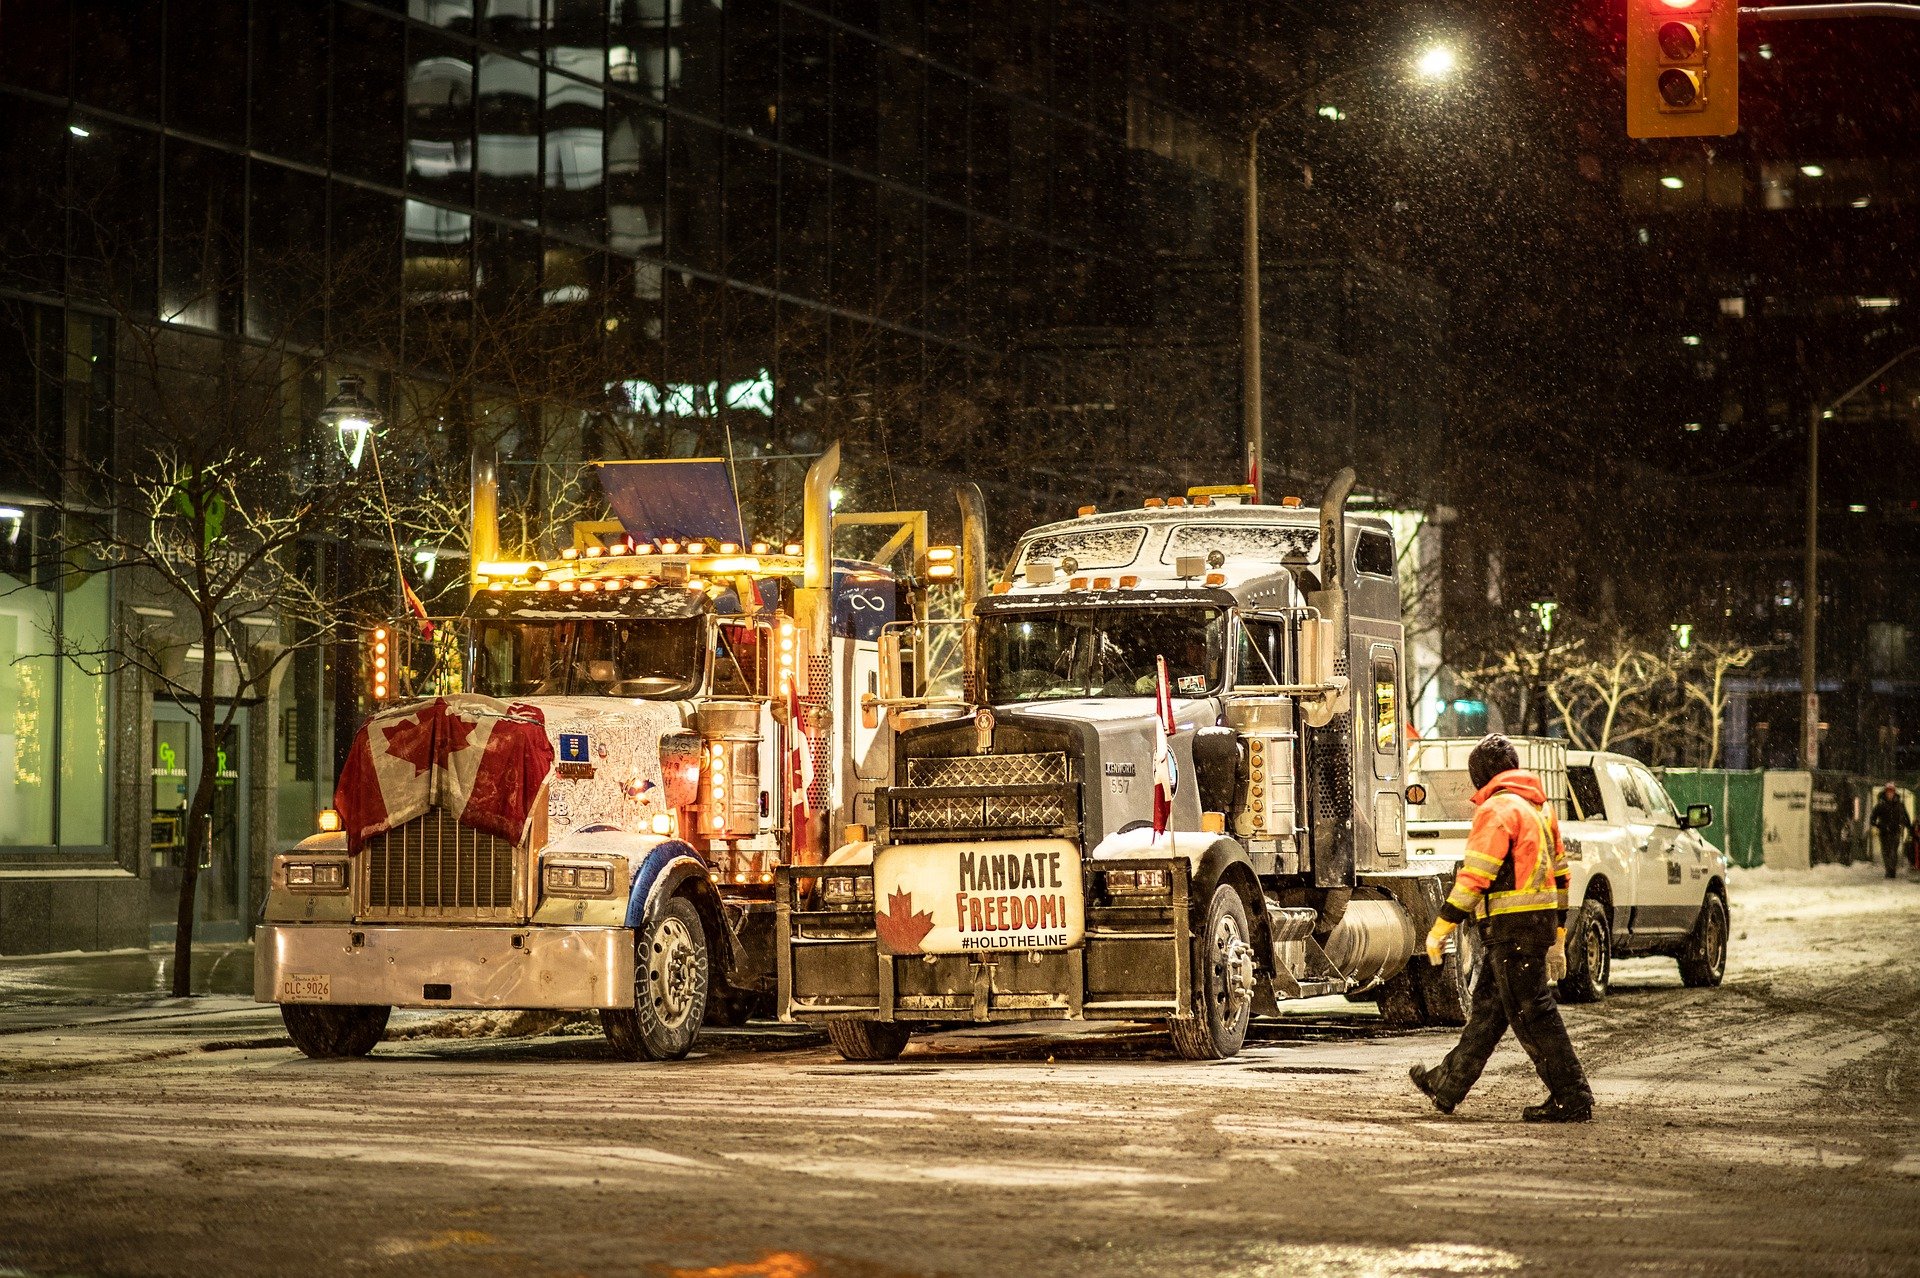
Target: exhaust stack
1333, 548
973, 542
1331, 744
483, 542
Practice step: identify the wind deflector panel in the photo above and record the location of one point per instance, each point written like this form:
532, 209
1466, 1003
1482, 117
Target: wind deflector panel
691, 500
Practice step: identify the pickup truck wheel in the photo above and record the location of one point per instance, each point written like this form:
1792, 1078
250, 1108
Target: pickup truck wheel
671, 969
868, 1040
1704, 961
1589, 956
1398, 999
1222, 983
329, 1033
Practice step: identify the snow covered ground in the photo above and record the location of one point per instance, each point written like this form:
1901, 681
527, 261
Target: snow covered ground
1769, 1126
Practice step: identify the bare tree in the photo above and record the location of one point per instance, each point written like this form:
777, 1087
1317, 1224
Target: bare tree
1705, 686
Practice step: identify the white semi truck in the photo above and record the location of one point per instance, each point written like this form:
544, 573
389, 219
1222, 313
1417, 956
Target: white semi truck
1014, 871
688, 713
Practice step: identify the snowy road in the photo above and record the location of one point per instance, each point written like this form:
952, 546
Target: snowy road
1771, 1126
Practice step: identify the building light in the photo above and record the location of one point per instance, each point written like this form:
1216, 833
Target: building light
1671, 182
1877, 303
80, 130
1812, 171
1857, 508
1692, 428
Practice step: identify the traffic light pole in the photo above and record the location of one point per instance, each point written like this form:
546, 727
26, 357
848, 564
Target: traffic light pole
1802, 12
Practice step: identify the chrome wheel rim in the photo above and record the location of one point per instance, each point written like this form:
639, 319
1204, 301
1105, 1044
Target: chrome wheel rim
1232, 968
673, 969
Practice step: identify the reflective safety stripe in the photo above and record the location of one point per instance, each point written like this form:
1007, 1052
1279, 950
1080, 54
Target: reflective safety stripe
1518, 902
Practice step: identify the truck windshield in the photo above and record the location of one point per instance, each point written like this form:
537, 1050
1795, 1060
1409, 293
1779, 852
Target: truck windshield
659, 660
1101, 652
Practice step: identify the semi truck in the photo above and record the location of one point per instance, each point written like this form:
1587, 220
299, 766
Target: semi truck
651, 728
1175, 792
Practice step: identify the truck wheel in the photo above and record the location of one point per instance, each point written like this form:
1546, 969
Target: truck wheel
1398, 1000
1446, 991
1223, 983
671, 971
1704, 961
329, 1033
868, 1040
1589, 956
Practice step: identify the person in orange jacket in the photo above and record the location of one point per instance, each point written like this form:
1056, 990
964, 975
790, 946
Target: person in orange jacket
1513, 886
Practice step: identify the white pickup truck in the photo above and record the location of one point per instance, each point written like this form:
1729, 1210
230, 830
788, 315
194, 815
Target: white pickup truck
1644, 880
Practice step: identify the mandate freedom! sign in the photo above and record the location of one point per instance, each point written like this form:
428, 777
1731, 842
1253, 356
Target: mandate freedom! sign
947, 898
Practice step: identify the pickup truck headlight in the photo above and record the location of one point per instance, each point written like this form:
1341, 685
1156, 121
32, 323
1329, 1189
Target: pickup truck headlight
847, 889
577, 878
316, 876
1137, 883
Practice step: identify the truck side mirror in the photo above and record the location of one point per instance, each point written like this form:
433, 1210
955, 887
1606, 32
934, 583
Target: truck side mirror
889, 665
1699, 816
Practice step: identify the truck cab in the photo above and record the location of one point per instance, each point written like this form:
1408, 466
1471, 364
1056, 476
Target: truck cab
1176, 794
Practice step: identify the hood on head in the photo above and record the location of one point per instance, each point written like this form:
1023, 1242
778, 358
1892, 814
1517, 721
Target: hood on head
1514, 781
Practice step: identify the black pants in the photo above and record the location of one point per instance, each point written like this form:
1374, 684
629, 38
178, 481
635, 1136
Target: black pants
1510, 988
1890, 849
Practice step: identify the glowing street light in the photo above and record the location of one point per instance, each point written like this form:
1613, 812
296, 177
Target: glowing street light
1436, 63
353, 417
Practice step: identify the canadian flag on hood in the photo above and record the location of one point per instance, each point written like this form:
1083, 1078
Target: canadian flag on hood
483, 761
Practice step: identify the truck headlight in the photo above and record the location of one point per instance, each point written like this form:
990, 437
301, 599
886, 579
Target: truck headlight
1136, 883
847, 889
577, 878
316, 876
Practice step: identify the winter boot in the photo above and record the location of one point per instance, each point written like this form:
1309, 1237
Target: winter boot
1558, 1111
1423, 1079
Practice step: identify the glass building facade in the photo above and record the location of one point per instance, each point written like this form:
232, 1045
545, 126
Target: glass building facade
989, 240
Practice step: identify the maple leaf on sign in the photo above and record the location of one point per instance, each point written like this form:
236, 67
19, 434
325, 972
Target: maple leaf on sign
901, 929
428, 739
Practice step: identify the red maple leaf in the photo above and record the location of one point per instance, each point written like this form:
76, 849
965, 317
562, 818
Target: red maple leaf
428, 739
901, 929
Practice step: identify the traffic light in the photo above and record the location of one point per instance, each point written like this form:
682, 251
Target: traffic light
1683, 68
378, 664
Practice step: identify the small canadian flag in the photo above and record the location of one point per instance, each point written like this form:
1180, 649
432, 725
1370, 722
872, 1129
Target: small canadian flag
1166, 769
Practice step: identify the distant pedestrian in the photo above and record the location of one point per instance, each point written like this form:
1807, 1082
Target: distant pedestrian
1513, 886
1890, 819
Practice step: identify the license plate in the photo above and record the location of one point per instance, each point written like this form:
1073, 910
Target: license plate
306, 989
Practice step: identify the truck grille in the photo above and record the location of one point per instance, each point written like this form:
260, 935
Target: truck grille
434, 867
997, 795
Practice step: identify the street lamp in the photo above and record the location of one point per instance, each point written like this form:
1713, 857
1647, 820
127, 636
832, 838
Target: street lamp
1436, 63
353, 417
1810, 609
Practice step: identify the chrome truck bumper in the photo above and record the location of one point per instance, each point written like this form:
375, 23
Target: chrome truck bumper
558, 968
1133, 963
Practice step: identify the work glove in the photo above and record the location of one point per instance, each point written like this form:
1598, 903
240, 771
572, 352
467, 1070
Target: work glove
1557, 956
1437, 938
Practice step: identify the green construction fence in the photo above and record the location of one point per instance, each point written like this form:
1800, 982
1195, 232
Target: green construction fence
1736, 797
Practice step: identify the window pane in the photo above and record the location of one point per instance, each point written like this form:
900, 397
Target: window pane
508, 155
369, 82
574, 159
33, 52
290, 57
83, 721
636, 178
27, 682
440, 119
455, 15
32, 223
200, 245
116, 175
638, 55
693, 194
119, 72
286, 248
207, 67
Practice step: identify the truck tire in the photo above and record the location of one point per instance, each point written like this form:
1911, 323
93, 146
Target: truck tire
671, 971
1704, 960
1589, 955
330, 1033
868, 1040
1446, 991
1222, 983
